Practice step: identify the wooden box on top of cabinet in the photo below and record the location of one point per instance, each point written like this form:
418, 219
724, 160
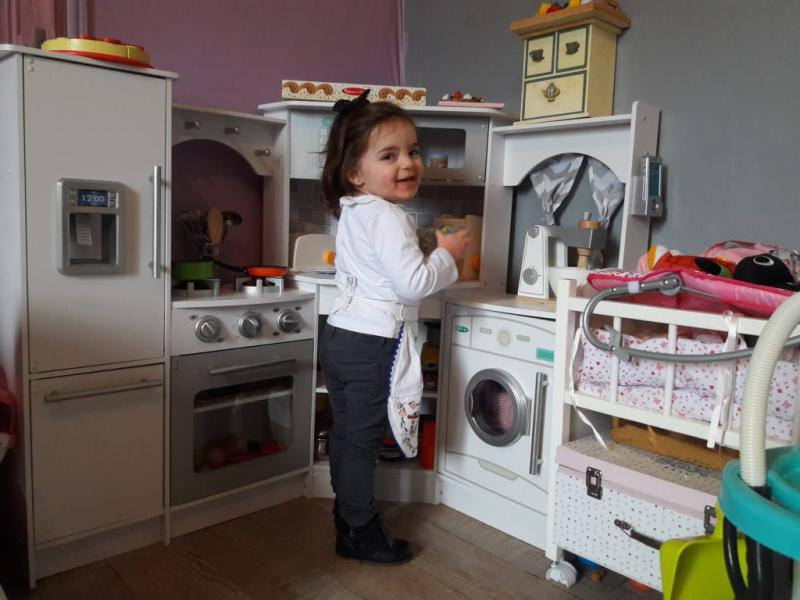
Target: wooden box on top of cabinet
568, 62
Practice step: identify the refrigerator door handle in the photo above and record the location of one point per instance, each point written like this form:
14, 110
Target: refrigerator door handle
156, 221
116, 389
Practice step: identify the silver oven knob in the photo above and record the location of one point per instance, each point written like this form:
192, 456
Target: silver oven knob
250, 325
207, 328
289, 321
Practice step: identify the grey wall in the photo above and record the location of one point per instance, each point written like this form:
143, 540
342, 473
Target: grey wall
725, 74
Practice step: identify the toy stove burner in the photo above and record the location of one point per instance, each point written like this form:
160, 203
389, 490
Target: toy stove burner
199, 288
257, 287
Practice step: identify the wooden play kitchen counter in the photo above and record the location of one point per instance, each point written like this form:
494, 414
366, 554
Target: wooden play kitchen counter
569, 59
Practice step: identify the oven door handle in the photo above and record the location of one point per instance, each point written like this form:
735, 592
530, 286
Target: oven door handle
249, 367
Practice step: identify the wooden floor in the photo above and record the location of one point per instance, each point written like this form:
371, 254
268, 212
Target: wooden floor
287, 552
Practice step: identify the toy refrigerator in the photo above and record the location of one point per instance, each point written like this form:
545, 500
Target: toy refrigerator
83, 188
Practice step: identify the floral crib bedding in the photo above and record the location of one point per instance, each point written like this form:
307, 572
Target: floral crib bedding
695, 393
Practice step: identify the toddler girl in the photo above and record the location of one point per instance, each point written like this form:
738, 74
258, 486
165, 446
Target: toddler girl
371, 367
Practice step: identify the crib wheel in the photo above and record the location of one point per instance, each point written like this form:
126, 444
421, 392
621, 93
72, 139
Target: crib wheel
562, 573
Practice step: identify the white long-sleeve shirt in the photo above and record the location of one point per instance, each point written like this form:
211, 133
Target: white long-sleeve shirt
376, 243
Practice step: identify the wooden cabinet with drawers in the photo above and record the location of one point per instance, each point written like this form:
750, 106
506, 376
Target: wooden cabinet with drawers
568, 65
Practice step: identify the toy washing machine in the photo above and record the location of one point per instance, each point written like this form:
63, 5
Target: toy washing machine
494, 464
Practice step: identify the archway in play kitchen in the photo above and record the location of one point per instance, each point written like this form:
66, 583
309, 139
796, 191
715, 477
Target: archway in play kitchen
208, 174
583, 183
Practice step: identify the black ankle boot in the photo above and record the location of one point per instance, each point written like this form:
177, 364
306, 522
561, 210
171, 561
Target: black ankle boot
338, 521
371, 543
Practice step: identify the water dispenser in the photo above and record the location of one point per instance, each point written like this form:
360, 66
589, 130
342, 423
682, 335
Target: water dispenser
91, 227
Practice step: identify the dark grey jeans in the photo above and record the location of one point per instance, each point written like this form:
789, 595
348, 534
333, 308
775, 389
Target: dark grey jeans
356, 367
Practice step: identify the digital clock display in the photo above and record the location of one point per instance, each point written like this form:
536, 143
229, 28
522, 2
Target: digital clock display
654, 180
92, 198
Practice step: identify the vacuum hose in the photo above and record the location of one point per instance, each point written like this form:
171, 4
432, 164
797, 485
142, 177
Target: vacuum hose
756, 390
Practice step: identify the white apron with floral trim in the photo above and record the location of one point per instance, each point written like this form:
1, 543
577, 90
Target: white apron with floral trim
405, 379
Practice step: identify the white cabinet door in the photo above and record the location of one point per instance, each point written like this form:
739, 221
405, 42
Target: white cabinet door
97, 450
89, 123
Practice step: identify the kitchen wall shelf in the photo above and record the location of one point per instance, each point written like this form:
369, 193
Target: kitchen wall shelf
262, 142
252, 136
618, 141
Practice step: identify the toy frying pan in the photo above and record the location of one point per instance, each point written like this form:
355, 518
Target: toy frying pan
259, 271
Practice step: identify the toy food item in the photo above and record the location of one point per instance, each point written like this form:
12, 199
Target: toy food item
545, 8
235, 446
239, 458
101, 49
475, 261
658, 257
272, 447
215, 456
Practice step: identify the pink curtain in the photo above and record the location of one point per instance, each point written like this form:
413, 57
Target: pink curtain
28, 22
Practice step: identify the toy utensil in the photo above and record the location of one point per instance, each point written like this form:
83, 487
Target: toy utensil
215, 225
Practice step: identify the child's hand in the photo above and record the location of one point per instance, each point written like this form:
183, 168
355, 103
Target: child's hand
457, 243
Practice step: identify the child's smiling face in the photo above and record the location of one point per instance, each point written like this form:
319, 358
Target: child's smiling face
391, 167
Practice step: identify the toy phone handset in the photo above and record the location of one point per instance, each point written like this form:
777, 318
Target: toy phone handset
652, 188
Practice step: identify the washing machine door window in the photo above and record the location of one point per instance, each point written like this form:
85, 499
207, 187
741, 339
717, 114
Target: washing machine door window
496, 407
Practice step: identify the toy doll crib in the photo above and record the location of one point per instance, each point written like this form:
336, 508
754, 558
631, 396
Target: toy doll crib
607, 501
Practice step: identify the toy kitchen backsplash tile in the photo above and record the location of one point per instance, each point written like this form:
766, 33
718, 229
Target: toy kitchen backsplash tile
307, 214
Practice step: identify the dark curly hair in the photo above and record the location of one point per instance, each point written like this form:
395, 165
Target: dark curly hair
347, 142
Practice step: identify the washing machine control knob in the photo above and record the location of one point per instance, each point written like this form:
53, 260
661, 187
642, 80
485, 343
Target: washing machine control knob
207, 328
289, 321
530, 276
504, 337
250, 325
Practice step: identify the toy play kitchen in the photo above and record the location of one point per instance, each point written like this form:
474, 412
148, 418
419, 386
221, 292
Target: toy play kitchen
242, 351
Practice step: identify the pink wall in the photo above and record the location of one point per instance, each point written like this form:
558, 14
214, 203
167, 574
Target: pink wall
233, 54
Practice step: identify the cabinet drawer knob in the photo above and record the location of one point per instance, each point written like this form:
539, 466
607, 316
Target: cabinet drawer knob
536, 55
572, 47
551, 92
